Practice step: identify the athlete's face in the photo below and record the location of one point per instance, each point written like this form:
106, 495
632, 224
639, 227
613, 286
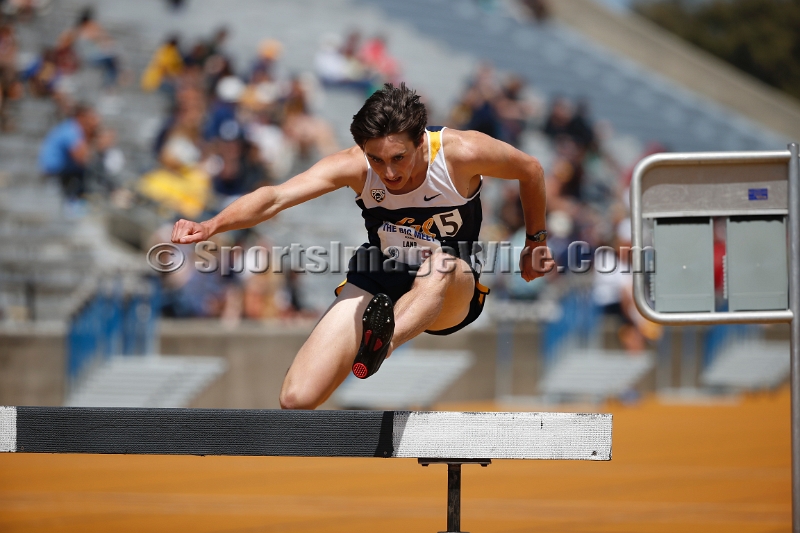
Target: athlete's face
394, 159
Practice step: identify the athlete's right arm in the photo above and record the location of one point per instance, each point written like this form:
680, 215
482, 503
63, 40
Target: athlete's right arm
344, 169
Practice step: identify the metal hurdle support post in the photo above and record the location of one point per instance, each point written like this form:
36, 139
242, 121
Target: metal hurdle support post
454, 487
682, 185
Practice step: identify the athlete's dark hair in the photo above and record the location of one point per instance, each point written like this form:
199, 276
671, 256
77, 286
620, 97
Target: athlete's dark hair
388, 111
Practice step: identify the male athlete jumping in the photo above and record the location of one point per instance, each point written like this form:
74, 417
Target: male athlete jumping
419, 192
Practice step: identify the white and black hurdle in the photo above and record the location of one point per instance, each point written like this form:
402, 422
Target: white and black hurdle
452, 438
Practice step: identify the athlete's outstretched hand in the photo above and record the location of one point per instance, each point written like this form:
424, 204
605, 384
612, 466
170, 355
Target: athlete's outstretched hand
187, 232
535, 262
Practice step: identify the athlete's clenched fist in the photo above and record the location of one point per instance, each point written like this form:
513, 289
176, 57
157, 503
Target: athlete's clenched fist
187, 232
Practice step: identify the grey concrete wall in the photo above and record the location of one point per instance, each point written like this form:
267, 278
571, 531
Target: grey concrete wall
258, 356
32, 365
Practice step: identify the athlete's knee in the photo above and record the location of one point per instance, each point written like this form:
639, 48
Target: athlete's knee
297, 397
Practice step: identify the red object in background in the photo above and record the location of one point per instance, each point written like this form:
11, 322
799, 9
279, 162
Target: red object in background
719, 256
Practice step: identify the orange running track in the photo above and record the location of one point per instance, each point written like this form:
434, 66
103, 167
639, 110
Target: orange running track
675, 468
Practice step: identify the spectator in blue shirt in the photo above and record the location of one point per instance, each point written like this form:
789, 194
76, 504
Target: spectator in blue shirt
66, 150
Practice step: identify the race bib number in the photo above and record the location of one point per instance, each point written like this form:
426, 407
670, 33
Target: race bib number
405, 244
448, 223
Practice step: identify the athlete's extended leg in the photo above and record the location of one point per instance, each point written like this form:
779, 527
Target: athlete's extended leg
326, 358
439, 298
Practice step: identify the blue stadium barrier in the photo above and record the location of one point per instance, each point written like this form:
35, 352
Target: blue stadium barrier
113, 322
578, 323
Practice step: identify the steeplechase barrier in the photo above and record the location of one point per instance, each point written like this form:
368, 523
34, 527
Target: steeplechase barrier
452, 438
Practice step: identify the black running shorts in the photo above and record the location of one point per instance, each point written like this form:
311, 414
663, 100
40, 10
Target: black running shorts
369, 269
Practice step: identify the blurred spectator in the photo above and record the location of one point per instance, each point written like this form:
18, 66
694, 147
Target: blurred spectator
634, 337
480, 100
48, 76
558, 119
613, 291
580, 127
229, 91
110, 162
96, 47
260, 298
176, 5
539, 9
609, 286
510, 213
23, 10
375, 57
189, 293
10, 87
217, 42
301, 127
261, 94
272, 147
42, 74
338, 65
499, 110
561, 233
164, 68
238, 169
66, 150
265, 64
351, 64
66, 58
565, 180
349, 52
182, 184
330, 64
197, 56
216, 63
514, 109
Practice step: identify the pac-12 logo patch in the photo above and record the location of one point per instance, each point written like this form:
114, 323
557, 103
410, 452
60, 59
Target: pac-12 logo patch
378, 195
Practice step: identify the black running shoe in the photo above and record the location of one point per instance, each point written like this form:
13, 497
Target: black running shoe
378, 328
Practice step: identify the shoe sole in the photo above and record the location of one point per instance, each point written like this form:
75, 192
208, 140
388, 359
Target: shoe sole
377, 332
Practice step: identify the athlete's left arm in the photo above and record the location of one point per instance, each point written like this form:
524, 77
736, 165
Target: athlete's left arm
472, 153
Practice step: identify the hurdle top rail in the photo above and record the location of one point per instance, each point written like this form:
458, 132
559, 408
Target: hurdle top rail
435, 434
759, 194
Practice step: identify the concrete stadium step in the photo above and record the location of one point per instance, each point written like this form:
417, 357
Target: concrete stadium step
594, 374
749, 366
16, 147
408, 379
340, 106
146, 381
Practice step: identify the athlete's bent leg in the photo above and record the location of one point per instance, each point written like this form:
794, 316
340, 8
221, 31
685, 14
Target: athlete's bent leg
327, 356
439, 298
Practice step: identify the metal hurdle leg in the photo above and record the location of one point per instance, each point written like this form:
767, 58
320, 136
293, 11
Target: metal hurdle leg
454, 488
